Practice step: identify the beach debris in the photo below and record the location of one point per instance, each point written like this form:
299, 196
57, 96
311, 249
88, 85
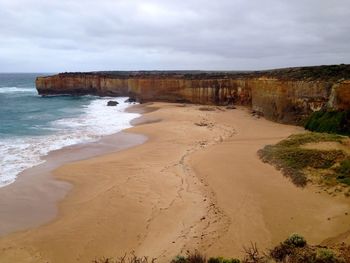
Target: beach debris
220, 108
202, 143
207, 108
231, 107
112, 103
202, 124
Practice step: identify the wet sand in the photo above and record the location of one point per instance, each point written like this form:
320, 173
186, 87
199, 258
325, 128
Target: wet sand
196, 183
32, 200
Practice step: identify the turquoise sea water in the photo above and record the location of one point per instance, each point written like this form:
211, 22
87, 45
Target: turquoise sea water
23, 112
31, 125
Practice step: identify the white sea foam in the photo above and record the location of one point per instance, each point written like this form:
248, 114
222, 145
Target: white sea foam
15, 90
18, 154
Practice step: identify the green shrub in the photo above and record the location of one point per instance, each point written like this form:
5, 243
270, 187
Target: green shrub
193, 257
326, 256
215, 260
196, 257
293, 249
179, 259
223, 260
280, 252
329, 121
296, 240
343, 172
232, 260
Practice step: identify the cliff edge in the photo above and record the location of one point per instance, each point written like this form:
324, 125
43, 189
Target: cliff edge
285, 95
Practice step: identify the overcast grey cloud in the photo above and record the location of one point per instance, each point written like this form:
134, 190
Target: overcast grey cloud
84, 35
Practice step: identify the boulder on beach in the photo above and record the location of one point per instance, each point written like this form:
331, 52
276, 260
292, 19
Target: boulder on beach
112, 103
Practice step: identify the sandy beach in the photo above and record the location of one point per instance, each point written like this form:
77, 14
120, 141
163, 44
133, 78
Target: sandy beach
196, 183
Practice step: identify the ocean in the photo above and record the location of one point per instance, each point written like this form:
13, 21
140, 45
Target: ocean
31, 126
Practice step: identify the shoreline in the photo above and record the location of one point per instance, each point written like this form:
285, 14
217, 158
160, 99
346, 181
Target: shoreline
196, 183
40, 191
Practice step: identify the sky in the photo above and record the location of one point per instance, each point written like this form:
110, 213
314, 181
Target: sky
86, 35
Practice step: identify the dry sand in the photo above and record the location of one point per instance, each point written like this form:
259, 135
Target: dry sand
197, 183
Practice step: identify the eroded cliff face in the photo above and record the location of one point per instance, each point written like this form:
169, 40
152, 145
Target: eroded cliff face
280, 97
149, 88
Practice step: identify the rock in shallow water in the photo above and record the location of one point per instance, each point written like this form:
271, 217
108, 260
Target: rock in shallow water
112, 103
130, 100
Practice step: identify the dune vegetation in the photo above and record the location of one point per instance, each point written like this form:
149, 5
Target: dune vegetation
320, 158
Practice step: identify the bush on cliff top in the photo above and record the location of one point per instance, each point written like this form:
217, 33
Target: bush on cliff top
325, 72
330, 122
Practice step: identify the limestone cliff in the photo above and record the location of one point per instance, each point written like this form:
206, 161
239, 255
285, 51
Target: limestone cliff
285, 95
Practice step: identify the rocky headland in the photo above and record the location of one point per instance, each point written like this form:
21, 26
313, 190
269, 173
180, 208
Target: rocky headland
287, 95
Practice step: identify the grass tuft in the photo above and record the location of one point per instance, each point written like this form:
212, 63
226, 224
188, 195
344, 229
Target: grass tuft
343, 172
194, 257
131, 258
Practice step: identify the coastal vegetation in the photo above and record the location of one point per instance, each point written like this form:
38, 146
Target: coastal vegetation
324, 72
329, 121
294, 249
320, 158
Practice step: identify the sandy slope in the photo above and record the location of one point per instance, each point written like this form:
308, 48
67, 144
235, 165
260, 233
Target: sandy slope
189, 186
